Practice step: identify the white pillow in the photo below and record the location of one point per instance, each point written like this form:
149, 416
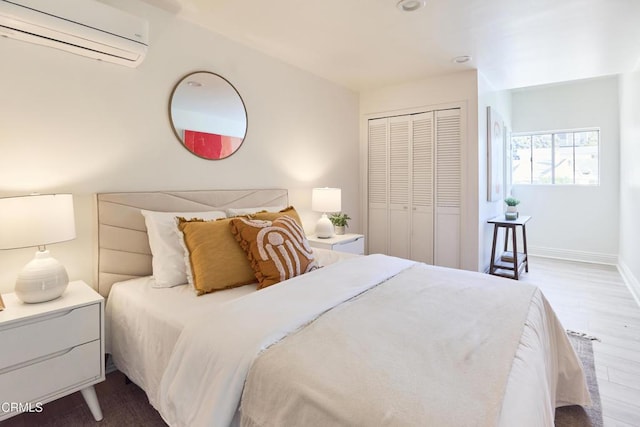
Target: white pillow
164, 239
248, 211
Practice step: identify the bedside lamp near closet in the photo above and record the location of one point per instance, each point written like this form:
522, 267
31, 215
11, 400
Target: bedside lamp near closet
325, 200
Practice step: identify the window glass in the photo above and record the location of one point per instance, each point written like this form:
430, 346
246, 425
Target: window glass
563, 158
587, 158
568, 157
521, 159
542, 162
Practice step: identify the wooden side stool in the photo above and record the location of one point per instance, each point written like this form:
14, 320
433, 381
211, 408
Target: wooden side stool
510, 264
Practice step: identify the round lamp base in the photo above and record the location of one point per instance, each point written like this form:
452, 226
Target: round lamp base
324, 227
42, 279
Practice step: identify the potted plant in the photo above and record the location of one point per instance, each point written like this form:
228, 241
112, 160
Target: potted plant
340, 221
512, 210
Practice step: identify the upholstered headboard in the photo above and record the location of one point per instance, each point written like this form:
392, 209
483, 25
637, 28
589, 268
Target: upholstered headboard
122, 244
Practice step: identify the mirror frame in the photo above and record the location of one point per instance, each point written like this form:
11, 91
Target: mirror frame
173, 127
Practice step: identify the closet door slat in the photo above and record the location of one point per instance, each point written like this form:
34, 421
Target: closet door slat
399, 160
377, 180
448, 159
422, 161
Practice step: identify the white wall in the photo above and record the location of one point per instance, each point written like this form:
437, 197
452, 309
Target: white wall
630, 180
488, 96
458, 88
71, 124
573, 222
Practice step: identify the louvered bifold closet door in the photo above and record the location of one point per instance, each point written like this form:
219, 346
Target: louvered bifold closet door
448, 185
422, 188
378, 189
399, 185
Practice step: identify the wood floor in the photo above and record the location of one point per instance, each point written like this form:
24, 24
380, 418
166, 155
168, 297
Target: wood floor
593, 299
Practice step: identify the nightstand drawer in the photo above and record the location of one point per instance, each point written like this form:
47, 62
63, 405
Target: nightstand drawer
353, 247
47, 334
349, 243
63, 370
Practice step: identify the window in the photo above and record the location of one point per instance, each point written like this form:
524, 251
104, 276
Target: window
562, 157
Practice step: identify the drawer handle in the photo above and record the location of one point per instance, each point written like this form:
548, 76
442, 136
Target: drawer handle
36, 360
59, 314
43, 318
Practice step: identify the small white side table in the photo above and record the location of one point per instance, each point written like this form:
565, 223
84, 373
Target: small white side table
51, 349
350, 243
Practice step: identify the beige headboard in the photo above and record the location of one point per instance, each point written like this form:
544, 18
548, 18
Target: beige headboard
122, 245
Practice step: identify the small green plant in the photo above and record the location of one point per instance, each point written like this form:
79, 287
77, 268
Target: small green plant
511, 201
339, 219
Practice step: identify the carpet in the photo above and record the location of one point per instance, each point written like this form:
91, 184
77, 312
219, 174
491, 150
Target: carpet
574, 416
123, 405
126, 405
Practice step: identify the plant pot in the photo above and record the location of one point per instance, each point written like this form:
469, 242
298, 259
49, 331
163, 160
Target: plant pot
339, 229
512, 213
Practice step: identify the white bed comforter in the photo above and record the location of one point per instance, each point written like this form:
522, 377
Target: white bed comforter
455, 337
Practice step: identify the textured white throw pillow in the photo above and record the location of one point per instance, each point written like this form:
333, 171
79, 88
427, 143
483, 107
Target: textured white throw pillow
164, 239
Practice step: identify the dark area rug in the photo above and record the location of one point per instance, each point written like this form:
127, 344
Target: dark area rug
123, 405
577, 416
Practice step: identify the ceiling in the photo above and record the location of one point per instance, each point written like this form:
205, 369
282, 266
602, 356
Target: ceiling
363, 44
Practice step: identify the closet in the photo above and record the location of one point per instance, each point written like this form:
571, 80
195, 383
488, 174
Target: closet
414, 186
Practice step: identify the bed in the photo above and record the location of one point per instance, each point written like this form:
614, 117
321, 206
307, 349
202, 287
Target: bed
364, 340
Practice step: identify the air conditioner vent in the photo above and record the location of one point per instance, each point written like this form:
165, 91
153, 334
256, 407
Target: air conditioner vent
83, 27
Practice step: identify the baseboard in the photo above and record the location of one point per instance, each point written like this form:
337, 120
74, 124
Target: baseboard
572, 255
630, 280
109, 366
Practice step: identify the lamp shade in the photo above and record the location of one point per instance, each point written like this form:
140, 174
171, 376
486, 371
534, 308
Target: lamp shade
326, 199
36, 220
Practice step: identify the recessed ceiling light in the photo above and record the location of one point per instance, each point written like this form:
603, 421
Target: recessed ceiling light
411, 5
462, 59
194, 83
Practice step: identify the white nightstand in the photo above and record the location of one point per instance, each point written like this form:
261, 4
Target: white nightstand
350, 243
51, 349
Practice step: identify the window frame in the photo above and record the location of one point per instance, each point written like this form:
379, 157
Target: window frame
553, 134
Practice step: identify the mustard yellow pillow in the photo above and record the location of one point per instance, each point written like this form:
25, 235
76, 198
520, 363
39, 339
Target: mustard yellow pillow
271, 216
216, 260
278, 250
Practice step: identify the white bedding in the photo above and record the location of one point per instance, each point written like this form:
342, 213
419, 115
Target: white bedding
362, 363
144, 325
223, 355
206, 374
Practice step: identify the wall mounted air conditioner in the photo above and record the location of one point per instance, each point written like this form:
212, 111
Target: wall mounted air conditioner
83, 27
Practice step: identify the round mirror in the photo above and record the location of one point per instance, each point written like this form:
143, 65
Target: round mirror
208, 115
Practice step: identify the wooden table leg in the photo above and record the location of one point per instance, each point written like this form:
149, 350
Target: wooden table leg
506, 238
515, 255
524, 243
492, 265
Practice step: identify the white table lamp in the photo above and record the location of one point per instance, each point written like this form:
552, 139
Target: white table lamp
36, 221
325, 200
